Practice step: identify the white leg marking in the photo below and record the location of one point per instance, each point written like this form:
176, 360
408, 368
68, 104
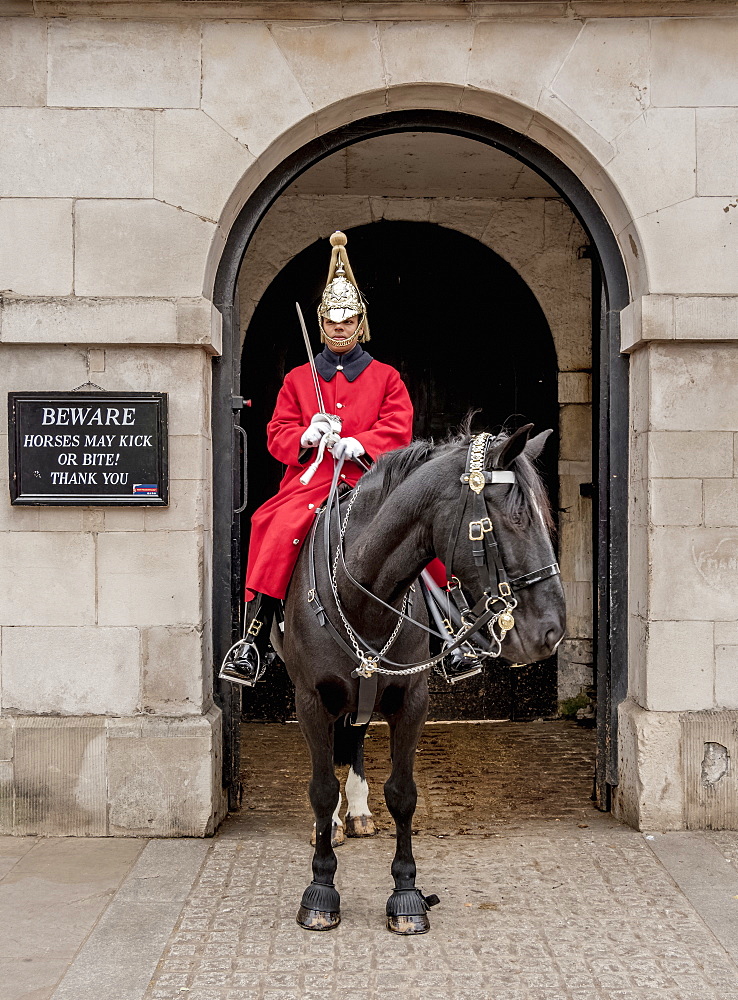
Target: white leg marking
357, 793
336, 818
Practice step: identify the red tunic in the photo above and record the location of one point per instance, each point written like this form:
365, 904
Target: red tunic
375, 409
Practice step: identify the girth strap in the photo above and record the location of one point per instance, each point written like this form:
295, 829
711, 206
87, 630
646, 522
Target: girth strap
367, 700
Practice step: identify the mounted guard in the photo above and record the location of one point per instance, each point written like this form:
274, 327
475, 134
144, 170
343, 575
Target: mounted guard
356, 639
366, 411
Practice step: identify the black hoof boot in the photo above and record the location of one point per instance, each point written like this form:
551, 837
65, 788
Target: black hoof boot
407, 911
320, 908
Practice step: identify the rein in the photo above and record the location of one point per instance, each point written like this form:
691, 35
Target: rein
497, 587
369, 661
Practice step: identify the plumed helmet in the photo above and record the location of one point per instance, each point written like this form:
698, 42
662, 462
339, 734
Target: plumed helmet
342, 298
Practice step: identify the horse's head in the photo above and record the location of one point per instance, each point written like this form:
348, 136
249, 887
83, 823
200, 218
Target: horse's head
505, 523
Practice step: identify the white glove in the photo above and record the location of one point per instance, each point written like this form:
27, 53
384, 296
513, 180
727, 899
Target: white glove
319, 425
311, 437
348, 448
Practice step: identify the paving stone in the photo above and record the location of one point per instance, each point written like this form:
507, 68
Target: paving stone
546, 900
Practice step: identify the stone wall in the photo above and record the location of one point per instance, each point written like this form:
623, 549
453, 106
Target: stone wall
129, 147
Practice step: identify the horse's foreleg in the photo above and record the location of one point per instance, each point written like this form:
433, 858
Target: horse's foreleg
406, 907
320, 906
359, 820
337, 834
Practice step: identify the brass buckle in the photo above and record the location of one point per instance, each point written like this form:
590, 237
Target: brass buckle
367, 666
504, 589
482, 526
254, 627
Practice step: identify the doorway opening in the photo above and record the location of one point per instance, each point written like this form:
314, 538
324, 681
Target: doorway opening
466, 334
537, 373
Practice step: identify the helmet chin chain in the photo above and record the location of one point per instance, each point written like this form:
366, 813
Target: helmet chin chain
333, 344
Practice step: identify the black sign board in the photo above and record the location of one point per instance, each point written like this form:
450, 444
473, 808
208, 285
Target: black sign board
88, 449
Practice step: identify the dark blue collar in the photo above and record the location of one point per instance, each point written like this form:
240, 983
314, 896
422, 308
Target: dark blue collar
352, 364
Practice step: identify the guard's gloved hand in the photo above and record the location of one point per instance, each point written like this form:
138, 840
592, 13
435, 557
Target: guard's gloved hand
320, 424
348, 448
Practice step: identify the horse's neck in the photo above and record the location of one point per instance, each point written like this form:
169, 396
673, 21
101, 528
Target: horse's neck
389, 544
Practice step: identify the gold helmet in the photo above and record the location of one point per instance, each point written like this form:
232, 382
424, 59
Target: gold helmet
341, 298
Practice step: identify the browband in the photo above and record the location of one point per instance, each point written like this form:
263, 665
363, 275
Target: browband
494, 476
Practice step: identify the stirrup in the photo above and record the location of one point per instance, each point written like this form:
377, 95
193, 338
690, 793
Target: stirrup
453, 671
230, 669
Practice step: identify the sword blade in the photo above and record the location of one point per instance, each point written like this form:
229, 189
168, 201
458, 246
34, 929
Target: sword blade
311, 359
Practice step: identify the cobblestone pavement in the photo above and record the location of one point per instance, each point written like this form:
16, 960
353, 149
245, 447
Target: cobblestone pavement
542, 898
471, 777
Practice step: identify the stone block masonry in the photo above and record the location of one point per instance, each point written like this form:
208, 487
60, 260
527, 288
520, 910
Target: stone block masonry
95, 776
129, 145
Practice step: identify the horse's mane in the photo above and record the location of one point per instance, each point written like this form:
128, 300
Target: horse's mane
394, 467
520, 504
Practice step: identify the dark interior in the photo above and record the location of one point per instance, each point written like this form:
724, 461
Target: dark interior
466, 333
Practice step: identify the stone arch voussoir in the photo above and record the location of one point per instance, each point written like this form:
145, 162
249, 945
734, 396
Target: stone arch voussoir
573, 143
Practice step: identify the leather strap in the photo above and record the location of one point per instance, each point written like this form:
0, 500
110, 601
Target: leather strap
367, 700
528, 579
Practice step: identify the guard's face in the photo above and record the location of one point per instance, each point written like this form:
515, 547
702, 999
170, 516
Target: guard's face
342, 331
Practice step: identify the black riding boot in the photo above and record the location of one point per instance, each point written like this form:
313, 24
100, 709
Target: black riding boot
245, 662
459, 665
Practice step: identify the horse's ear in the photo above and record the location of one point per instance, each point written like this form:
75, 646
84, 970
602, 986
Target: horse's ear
535, 446
512, 447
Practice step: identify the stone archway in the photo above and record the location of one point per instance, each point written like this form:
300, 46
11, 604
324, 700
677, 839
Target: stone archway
613, 400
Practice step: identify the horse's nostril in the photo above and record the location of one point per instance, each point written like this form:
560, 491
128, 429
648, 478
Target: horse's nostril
553, 638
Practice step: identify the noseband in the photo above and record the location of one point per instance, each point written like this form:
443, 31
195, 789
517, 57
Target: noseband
497, 588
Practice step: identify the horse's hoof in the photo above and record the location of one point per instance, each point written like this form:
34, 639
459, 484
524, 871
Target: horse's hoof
407, 911
418, 924
337, 835
360, 826
317, 920
320, 908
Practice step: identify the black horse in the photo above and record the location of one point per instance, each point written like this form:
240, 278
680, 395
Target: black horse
401, 516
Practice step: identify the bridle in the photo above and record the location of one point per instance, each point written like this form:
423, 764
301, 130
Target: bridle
494, 608
491, 572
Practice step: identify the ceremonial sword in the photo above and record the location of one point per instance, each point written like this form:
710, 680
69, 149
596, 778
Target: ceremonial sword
311, 359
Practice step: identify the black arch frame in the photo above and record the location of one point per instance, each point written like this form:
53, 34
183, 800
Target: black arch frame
611, 495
